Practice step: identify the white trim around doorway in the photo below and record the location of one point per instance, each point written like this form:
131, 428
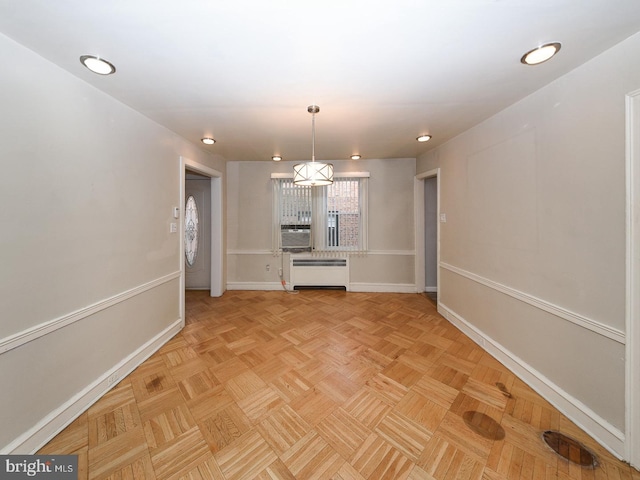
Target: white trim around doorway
217, 254
632, 373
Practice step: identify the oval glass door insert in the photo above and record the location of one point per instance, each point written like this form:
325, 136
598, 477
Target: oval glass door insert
191, 231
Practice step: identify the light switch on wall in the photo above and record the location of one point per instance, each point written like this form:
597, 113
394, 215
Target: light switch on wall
443, 218
173, 228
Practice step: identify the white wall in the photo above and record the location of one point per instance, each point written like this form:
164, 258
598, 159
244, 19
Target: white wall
533, 251
388, 267
89, 282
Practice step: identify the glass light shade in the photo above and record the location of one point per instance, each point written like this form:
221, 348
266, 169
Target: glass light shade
313, 174
97, 65
208, 141
540, 54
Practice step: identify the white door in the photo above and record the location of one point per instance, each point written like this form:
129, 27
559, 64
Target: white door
198, 228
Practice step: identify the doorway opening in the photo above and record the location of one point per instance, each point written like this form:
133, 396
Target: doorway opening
431, 237
427, 231
197, 238
214, 233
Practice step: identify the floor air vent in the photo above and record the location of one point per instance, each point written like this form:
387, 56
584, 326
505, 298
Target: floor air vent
325, 273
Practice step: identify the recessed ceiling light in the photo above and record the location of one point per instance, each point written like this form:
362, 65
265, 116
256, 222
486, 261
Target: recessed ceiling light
356, 157
423, 138
540, 54
276, 158
97, 65
208, 141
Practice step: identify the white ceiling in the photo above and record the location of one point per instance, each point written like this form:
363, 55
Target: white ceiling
382, 71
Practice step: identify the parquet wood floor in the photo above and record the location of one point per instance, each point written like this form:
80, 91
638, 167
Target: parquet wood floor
322, 385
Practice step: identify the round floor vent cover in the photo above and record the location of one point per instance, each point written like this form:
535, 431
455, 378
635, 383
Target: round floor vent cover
569, 449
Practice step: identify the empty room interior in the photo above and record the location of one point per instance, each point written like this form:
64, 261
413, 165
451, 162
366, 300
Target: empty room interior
323, 240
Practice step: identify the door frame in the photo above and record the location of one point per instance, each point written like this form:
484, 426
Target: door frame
632, 310
419, 214
217, 246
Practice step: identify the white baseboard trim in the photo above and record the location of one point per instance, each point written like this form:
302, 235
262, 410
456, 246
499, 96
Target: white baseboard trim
57, 420
431, 289
382, 287
37, 331
255, 286
560, 312
353, 287
602, 431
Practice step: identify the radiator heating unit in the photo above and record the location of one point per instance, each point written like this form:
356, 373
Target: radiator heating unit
319, 273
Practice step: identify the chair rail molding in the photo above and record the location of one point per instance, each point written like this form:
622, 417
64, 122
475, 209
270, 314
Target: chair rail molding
575, 318
37, 331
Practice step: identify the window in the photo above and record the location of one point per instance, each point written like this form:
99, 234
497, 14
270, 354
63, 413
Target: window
343, 214
320, 219
191, 231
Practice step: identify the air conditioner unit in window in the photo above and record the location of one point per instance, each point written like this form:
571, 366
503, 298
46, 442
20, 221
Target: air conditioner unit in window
296, 238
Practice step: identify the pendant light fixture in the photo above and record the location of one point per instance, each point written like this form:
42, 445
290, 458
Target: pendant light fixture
313, 173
